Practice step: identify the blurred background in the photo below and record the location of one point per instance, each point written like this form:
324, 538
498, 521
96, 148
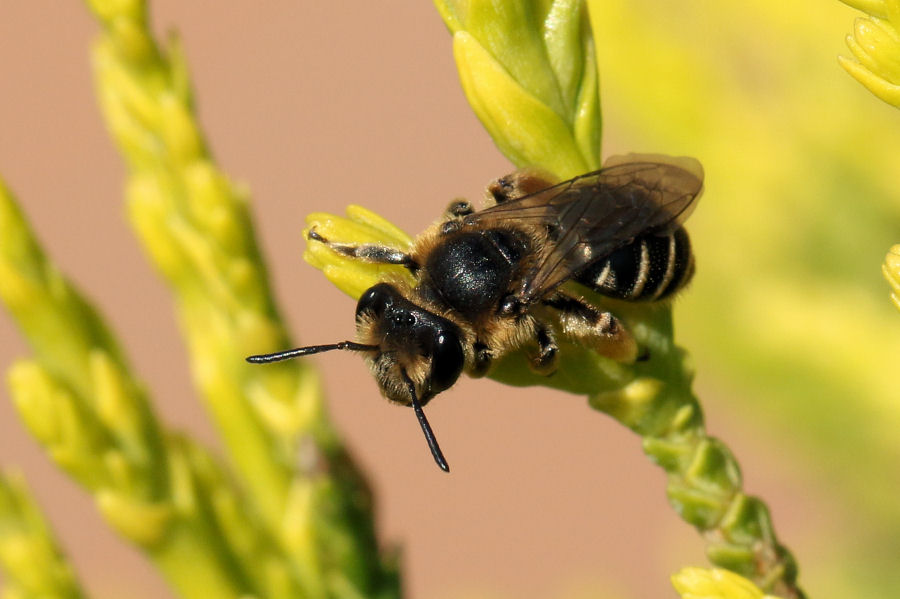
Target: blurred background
316, 105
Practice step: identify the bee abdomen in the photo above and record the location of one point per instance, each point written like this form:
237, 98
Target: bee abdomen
650, 268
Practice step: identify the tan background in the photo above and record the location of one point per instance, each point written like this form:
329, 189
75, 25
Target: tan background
314, 106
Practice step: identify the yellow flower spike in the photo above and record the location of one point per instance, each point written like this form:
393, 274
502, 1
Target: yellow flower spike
145, 524
529, 73
297, 523
181, 479
178, 129
700, 583
137, 108
145, 195
57, 419
29, 554
631, 403
44, 303
587, 110
351, 276
120, 473
527, 131
299, 532
387, 232
116, 406
196, 226
875, 43
212, 206
161, 491
205, 265
287, 418
875, 8
891, 271
35, 400
109, 10
94, 422
211, 496
512, 33
563, 40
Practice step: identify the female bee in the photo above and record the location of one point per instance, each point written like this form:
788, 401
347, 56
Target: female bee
489, 282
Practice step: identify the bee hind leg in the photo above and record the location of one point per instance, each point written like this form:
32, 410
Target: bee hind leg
459, 208
595, 328
368, 252
518, 184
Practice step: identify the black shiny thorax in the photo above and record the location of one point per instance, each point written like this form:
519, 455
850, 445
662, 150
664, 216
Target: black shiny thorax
470, 271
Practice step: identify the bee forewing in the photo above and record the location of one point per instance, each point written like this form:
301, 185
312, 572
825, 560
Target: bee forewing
596, 213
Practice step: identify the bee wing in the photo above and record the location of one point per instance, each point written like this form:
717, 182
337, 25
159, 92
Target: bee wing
594, 214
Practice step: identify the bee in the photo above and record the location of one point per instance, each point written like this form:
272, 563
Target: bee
489, 282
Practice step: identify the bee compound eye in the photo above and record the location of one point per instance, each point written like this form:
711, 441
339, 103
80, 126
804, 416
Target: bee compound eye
446, 360
375, 300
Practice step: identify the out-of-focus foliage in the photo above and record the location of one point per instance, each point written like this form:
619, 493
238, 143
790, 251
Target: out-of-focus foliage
875, 43
788, 306
29, 554
891, 270
698, 583
279, 522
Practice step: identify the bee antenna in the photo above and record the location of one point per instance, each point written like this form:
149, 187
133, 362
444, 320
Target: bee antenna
308, 350
426, 428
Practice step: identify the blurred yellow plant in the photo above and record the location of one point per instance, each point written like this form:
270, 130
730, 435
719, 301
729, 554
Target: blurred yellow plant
786, 314
875, 43
280, 522
700, 583
891, 270
28, 552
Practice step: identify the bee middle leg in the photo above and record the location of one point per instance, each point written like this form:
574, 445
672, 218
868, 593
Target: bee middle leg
541, 350
369, 252
545, 361
599, 330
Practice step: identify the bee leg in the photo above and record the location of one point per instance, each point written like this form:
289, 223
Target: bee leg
483, 359
599, 330
518, 184
459, 208
544, 362
369, 252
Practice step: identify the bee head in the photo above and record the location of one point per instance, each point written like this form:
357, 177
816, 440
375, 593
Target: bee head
415, 347
413, 353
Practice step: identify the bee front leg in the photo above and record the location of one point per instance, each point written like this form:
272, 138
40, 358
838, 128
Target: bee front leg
369, 252
543, 362
599, 330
